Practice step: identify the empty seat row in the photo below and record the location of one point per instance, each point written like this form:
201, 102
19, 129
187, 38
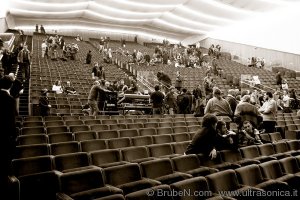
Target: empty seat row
180, 173
156, 150
134, 130
133, 138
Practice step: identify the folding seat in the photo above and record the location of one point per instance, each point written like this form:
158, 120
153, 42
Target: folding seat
86, 184
276, 137
217, 162
70, 118
225, 181
108, 134
156, 191
33, 150
54, 123
32, 118
151, 124
268, 150
135, 126
191, 164
179, 123
135, 154
166, 124
161, 150
166, 174
192, 123
163, 120
129, 133
180, 137
265, 137
117, 117
93, 145
85, 135
106, 158
140, 120
117, 126
179, 119
194, 128
147, 131
252, 152
86, 117
56, 129
32, 139
283, 148
251, 175
33, 130
234, 156
52, 118
72, 162
196, 185
117, 143
128, 178
109, 121
125, 121
273, 170
33, 124
180, 129
155, 120
162, 139
35, 175
99, 127
74, 123
290, 165
60, 137
77, 128
180, 147
92, 122
294, 145
164, 130
64, 148
142, 140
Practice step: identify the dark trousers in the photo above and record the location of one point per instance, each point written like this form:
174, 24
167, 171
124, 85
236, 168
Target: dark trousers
25, 70
269, 126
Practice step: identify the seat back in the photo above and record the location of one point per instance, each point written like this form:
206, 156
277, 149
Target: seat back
164, 165
250, 175
289, 165
79, 181
32, 165
271, 169
186, 162
93, 145
281, 147
119, 175
116, 143
102, 157
147, 131
108, 134
223, 181
34, 150
231, 155
64, 148
157, 150
71, 161
85, 135
250, 151
266, 149
134, 153
142, 140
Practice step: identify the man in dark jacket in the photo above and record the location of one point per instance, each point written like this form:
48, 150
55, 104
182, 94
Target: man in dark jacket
205, 140
8, 131
44, 103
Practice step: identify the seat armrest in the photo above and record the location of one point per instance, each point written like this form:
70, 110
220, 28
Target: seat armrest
63, 196
151, 180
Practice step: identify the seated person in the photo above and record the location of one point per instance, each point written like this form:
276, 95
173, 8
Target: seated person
57, 87
249, 135
69, 89
226, 139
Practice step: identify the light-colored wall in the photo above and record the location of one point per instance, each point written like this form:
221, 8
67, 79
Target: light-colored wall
3, 25
243, 52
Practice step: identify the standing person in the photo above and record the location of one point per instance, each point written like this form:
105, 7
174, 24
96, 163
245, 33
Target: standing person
178, 81
101, 73
8, 131
44, 49
171, 103
95, 71
24, 60
157, 99
204, 142
92, 98
42, 29
278, 78
88, 59
44, 103
16, 90
269, 112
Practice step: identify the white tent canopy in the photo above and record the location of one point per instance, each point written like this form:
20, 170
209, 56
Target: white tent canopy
172, 19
